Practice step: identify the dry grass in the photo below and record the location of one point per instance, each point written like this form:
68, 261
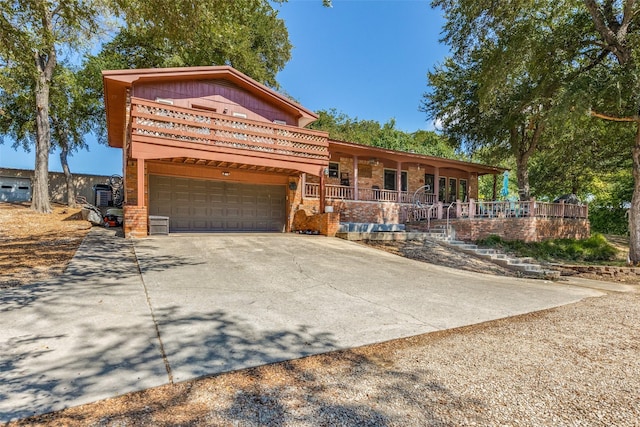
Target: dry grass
37, 246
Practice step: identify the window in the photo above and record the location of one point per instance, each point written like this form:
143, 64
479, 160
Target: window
334, 169
390, 179
464, 190
453, 190
442, 189
429, 181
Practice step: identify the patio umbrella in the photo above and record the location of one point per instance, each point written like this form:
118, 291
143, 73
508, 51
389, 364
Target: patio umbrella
505, 184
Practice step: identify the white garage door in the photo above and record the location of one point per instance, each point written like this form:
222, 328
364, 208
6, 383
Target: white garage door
205, 205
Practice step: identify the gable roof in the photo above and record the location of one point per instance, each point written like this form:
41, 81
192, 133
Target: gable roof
117, 82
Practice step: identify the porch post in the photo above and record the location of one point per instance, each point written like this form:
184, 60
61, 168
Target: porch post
532, 207
399, 182
472, 208
322, 191
303, 184
140, 177
495, 187
436, 184
355, 178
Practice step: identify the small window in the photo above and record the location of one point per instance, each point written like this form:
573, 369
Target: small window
240, 115
334, 169
280, 122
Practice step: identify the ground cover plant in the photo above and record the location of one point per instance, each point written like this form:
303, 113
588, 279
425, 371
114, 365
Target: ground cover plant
596, 249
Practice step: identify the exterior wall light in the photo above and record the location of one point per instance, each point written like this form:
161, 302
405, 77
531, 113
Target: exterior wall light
226, 173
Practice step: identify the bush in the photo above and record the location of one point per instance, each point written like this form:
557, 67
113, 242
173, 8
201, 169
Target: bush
609, 220
594, 249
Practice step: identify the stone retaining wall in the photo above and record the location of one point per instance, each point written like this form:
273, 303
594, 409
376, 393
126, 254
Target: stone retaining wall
600, 272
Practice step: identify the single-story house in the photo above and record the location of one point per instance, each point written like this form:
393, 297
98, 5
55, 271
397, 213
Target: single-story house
214, 150
15, 185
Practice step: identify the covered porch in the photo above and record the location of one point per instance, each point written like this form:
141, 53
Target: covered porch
377, 185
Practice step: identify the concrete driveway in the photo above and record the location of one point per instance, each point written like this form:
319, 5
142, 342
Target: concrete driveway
205, 304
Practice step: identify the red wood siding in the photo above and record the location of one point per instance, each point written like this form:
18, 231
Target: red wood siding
220, 95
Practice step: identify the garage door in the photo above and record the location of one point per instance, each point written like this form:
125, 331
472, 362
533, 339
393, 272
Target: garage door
204, 205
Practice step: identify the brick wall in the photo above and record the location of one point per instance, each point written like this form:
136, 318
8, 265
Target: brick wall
131, 182
326, 224
525, 229
135, 221
359, 211
373, 212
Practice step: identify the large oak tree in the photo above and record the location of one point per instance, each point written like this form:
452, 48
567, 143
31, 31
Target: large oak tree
35, 34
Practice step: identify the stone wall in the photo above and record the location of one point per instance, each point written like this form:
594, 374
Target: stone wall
601, 272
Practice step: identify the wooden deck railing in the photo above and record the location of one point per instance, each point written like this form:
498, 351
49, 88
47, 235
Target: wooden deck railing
531, 208
344, 192
423, 206
219, 130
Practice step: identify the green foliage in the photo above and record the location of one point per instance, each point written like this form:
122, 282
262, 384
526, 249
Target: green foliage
609, 209
609, 220
246, 34
594, 249
341, 127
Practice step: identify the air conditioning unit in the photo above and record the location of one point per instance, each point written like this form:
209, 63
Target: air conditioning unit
104, 198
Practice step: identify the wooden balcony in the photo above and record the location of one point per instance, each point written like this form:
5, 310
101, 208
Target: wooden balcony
184, 129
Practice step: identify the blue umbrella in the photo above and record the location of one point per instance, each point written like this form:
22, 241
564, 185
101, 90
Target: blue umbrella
505, 184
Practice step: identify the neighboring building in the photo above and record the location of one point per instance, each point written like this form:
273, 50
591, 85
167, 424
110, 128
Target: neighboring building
15, 185
214, 150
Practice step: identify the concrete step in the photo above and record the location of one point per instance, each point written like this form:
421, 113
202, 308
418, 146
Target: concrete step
385, 236
366, 227
525, 265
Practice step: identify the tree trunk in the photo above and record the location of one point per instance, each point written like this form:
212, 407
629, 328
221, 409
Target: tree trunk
522, 174
45, 62
634, 211
40, 197
71, 188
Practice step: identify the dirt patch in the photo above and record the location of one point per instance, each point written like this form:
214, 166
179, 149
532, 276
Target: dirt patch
37, 246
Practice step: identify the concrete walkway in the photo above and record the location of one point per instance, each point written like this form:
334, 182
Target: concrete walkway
206, 304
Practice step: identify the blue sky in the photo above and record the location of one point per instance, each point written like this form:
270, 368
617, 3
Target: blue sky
365, 58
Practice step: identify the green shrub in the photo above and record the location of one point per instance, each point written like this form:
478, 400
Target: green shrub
594, 249
609, 220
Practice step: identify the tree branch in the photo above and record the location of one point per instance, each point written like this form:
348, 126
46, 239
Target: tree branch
614, 118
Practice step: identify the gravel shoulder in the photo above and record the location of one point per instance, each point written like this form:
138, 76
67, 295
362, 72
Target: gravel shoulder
568, 366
